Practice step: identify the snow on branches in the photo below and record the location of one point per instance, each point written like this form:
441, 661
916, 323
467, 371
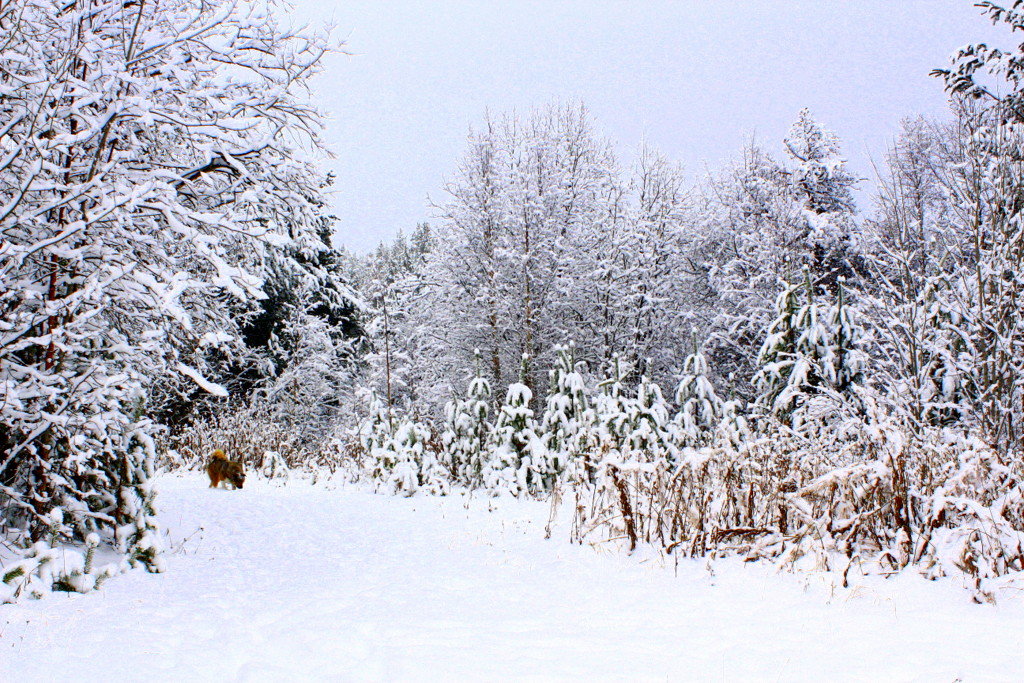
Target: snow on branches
144, 169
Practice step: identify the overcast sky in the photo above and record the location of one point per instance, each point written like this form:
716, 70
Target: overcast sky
694, 78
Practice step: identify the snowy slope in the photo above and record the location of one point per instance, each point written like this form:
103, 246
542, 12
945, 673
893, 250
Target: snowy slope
303, 582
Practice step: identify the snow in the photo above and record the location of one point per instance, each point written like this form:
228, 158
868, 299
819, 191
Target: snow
312, 582
205, 384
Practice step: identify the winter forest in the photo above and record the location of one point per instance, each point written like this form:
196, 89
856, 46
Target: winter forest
778, 362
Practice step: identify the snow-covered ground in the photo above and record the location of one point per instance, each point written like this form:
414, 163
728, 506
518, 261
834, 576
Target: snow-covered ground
307, 582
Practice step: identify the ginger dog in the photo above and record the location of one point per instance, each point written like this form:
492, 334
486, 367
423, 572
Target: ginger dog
221, 469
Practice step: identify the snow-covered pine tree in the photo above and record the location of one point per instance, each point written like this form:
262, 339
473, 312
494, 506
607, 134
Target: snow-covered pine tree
454, 438
415, 465
823, 187
514, 445
778, 355
762, 220
138, 535
304, 336
468, 429
819, 170
700, 409
847, 335
376, 434
647, 420
304, 399
566, 423
612, 408
794, 352
746, 237
808, 349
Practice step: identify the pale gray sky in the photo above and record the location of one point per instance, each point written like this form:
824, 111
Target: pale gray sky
694, 78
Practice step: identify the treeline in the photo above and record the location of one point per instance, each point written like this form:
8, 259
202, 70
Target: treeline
860, 375
645, 273
545, 240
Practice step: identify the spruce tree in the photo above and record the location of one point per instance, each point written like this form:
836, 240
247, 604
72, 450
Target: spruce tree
790, 358
415, 464
778, 356
612, 407
467, 430
808, 350
847, 339
376, 434
701, 410
514, 445
647, 421
566, 417
823, 186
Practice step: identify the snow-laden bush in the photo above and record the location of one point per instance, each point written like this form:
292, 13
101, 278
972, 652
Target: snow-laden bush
46, 566
845, 490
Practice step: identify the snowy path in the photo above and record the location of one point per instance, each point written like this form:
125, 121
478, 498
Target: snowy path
301, 582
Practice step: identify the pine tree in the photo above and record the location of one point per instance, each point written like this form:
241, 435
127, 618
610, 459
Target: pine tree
824, 189
766, 219
819, 170
848, 360
612, 408
467, 431
566, 420
415, 464
793, 352
808, 350
778, 355
701, 410
376, 436
514, 445
647, 423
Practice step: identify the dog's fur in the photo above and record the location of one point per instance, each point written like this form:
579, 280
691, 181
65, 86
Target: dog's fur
221, 469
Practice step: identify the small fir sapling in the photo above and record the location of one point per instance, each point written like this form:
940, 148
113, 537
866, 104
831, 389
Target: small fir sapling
612, 406
647, 422
376, 434
514, 445
566, 420
701, 410
467, 430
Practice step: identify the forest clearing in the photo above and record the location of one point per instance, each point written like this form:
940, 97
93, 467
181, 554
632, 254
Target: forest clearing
317, 582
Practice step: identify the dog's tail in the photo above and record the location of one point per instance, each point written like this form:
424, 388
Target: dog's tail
218, 455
